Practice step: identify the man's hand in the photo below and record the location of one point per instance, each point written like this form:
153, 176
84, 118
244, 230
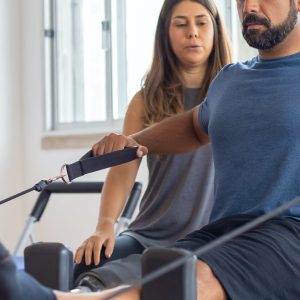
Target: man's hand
114, 142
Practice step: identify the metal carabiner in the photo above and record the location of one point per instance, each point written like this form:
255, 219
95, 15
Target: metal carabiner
50, 180
63, 175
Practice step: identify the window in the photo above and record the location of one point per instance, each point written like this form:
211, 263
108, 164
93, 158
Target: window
91, 47
96, 54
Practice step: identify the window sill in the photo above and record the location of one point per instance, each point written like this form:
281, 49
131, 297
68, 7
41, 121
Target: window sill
67, 141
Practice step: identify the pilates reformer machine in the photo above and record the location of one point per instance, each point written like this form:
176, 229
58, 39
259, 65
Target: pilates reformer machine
76, 188
59, 257
85, 165
167, 273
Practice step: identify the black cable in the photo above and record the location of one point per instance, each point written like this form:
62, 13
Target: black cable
37, 187
16, 195
208, 247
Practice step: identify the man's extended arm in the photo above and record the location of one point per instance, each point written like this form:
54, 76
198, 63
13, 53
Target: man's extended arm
180, 133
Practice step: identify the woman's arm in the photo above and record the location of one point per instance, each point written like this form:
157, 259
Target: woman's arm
116, 189
180, 133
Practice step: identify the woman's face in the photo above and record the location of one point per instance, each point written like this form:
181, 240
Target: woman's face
191, 34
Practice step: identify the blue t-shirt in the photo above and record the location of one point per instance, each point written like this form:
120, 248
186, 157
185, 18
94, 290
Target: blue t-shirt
252, 115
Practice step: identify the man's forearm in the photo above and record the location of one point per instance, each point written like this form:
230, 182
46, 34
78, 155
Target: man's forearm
173, 135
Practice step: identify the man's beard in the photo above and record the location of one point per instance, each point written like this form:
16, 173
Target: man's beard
272, 36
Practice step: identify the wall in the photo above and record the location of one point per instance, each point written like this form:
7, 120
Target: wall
11, 142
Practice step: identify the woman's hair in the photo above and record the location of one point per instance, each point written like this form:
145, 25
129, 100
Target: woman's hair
162, 88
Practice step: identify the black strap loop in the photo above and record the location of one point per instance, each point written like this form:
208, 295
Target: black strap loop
89, 163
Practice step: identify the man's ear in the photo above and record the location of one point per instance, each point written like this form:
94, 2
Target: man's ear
298, 5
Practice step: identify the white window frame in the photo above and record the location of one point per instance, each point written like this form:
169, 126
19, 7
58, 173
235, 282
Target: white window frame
51, 81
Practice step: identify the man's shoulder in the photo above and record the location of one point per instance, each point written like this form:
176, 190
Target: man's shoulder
240, 65
232, 70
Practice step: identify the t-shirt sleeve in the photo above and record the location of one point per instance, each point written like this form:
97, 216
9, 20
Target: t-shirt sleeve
203, 115
207, 106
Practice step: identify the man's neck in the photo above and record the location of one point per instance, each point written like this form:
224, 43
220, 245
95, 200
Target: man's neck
290, 45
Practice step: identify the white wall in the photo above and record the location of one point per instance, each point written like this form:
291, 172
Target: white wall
67, 219
11, 141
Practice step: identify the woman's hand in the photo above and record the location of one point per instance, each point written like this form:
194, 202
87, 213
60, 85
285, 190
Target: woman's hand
114, 142
92, 246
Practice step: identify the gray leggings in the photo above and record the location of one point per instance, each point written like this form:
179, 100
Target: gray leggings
125, 245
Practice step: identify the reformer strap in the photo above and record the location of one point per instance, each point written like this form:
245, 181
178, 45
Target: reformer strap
89, 163
86, 164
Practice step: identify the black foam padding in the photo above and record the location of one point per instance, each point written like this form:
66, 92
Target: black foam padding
51, 264
177, 284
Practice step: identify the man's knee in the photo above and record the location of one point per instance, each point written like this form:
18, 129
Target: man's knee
208, 285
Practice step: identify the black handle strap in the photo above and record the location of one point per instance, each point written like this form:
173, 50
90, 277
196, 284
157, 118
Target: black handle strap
89, 163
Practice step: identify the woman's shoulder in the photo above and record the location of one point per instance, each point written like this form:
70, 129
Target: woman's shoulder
134, 118
137, 97
136, 103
